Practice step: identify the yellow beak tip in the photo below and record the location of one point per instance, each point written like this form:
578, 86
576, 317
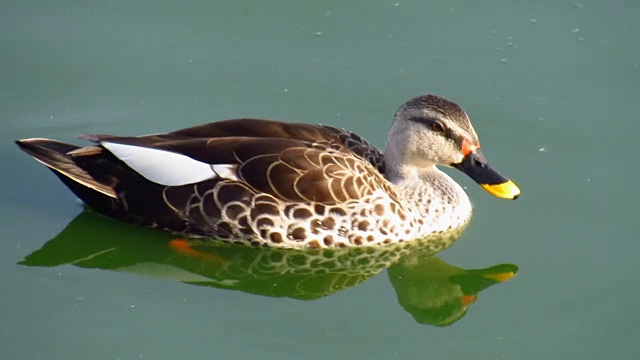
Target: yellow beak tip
506, 190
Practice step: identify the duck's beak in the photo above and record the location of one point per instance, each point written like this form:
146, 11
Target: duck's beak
476, 166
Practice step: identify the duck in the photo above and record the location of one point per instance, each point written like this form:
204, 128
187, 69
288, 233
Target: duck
285, 185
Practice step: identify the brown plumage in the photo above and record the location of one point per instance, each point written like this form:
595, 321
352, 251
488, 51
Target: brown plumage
285, 162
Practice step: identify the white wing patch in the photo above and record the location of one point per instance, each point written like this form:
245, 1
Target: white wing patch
165, 167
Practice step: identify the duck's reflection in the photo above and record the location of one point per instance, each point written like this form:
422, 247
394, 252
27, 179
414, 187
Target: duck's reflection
437, 293
433, 291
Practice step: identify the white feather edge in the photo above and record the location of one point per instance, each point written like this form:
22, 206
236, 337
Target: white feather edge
166, 167
226, 171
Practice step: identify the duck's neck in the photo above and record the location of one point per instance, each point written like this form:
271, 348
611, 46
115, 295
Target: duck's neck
431, 194
428, 181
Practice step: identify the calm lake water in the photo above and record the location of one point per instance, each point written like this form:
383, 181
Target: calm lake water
551, 86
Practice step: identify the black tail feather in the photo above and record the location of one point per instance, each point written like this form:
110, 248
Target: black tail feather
54, 155
105, 183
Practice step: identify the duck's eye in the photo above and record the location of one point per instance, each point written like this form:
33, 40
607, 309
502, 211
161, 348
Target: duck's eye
437, 127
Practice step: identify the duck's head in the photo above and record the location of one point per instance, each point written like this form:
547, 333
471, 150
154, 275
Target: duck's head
430, 130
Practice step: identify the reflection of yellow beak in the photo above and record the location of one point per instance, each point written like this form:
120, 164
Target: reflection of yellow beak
505, 190
500, 277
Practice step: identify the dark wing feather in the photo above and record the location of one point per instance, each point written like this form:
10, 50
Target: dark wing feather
292, 162
227, 150
250, 128
256, 128
359, 146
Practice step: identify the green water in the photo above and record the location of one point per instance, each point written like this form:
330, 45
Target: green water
551, 86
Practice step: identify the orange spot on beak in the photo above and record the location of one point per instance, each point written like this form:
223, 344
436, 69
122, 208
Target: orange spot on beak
468, 299
468, 147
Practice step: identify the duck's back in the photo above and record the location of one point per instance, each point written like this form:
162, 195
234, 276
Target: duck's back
255, 181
